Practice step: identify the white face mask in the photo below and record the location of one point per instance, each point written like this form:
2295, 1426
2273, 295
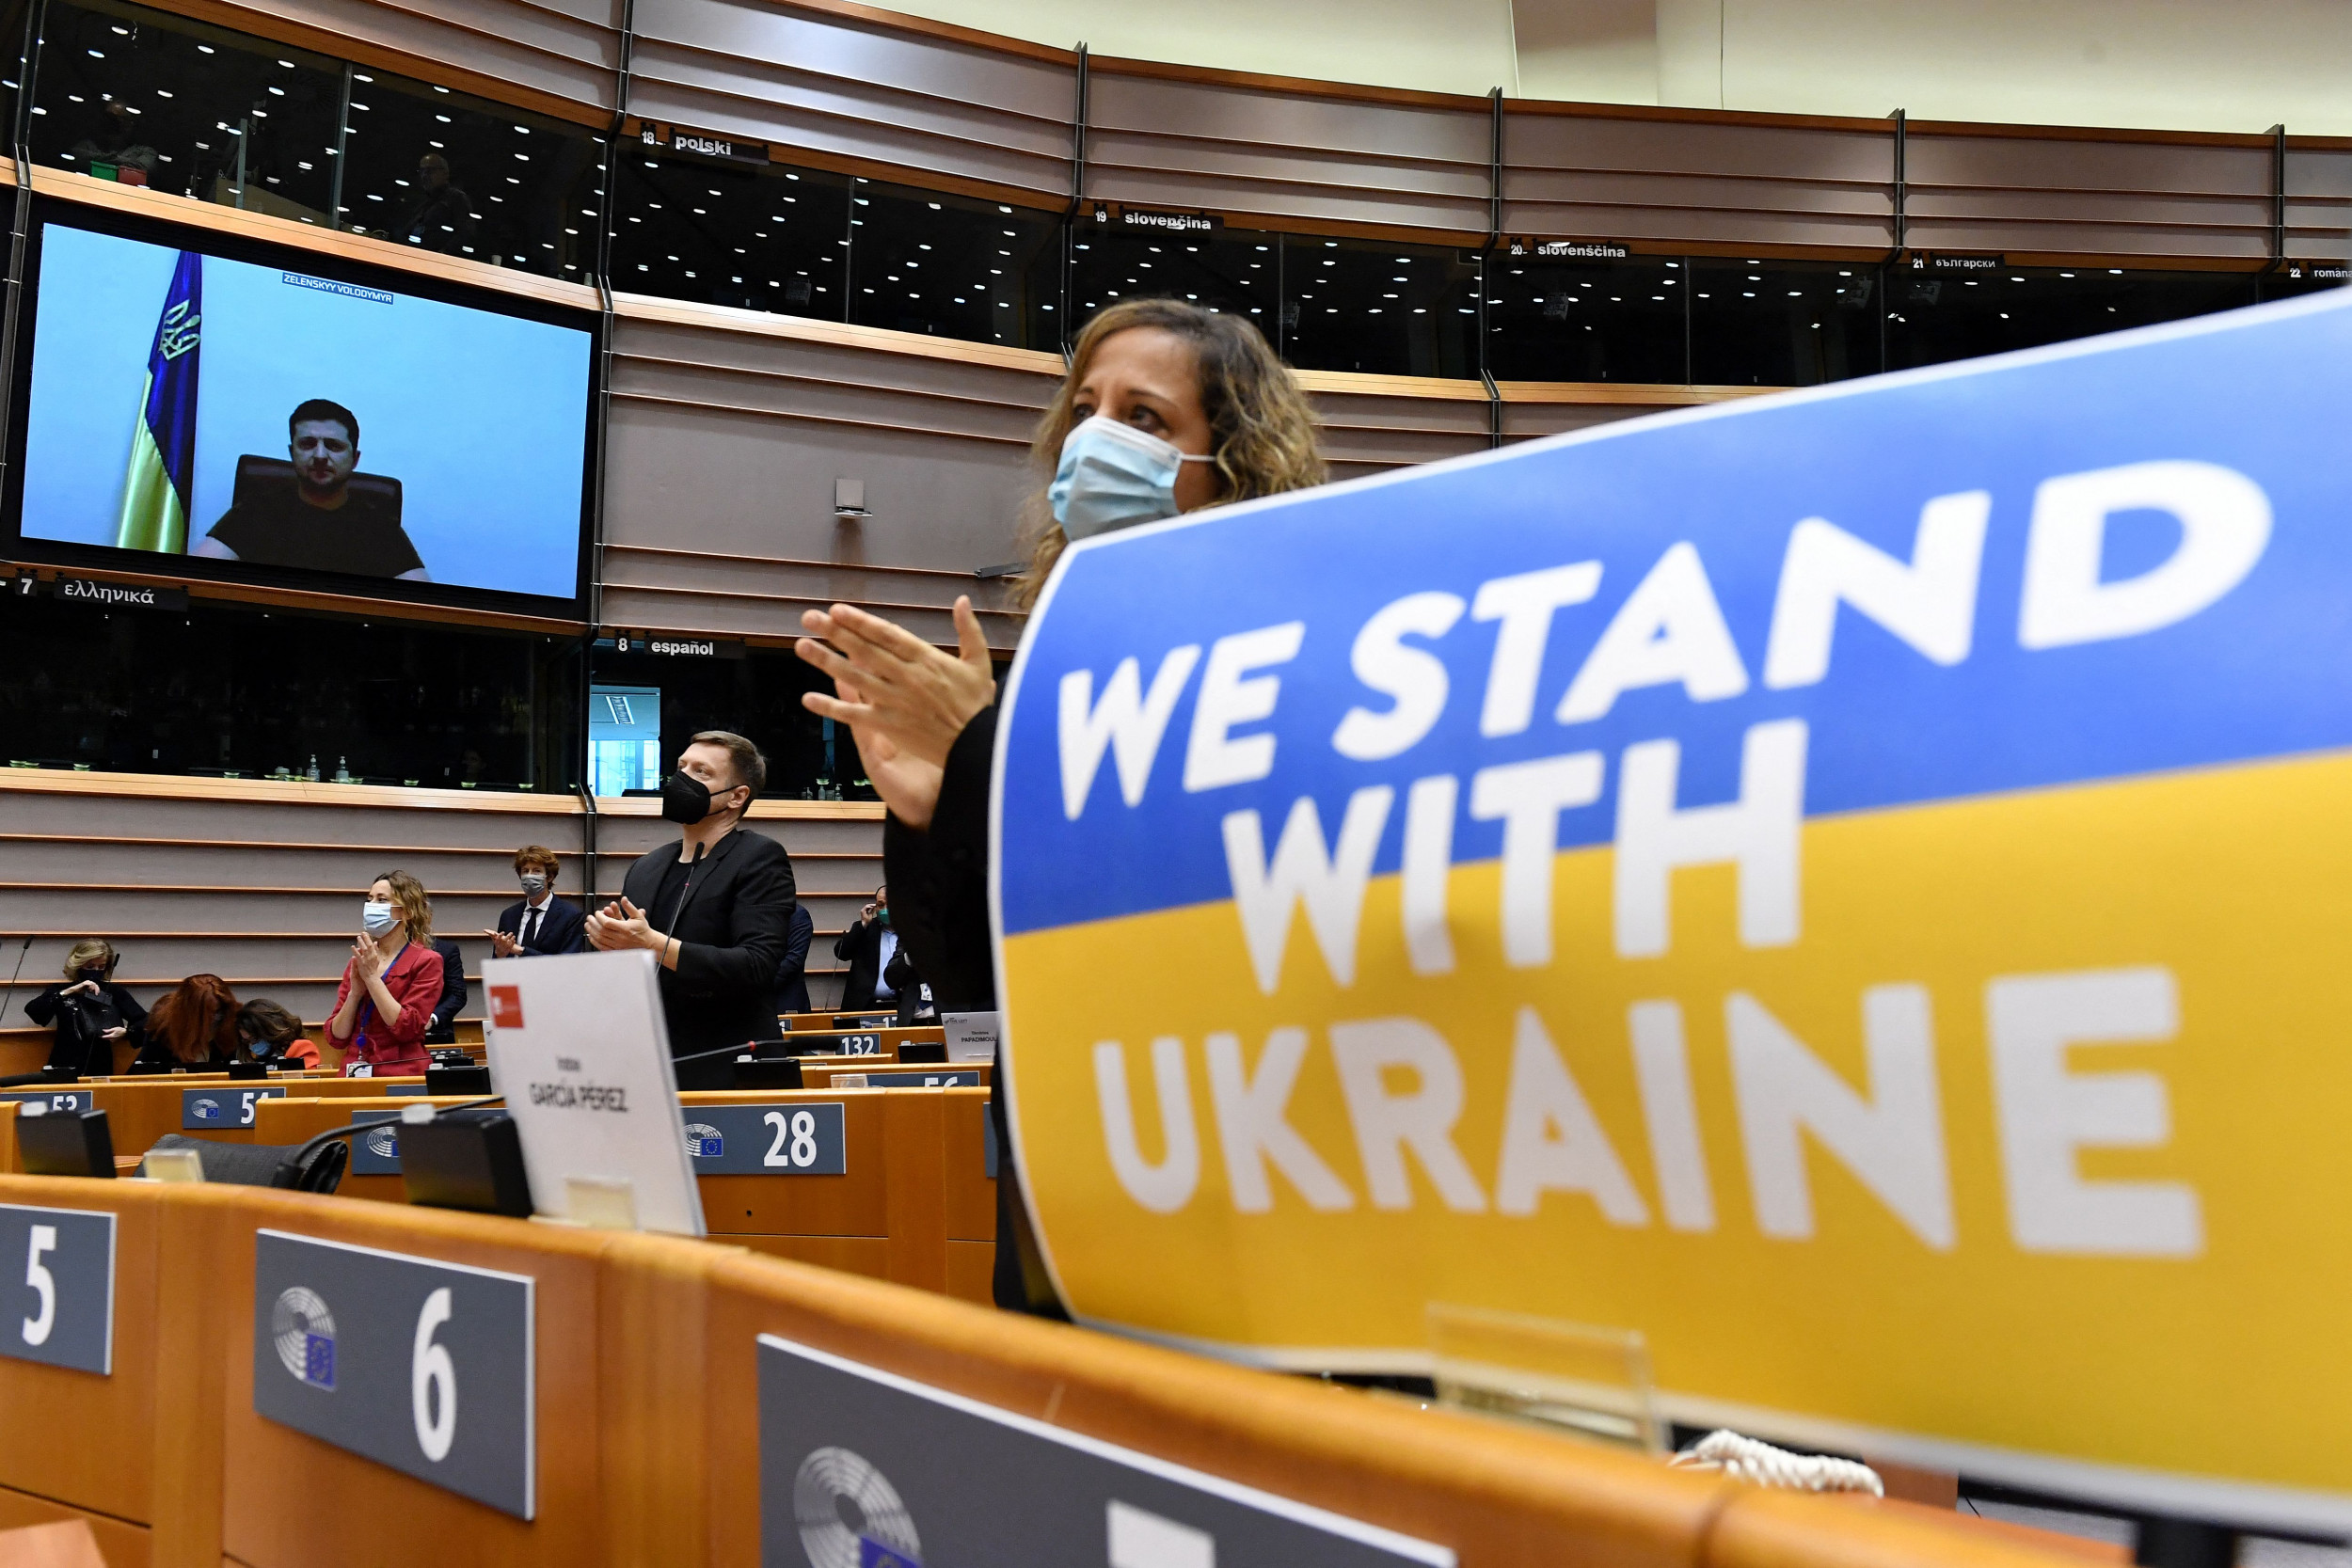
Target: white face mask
1114, 476
534, 884
377, 918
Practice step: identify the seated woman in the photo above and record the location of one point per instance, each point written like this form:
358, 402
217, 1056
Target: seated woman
91, 1014
391, 983
194, 1025
273, 1035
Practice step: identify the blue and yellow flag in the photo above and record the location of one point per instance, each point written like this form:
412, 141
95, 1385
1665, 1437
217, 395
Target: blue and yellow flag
157, 486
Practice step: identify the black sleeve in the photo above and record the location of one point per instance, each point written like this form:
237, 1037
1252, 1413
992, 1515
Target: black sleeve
128, 1006
42, 1009
795, 960
759, 913
845, 945
939, 880
452, 982
902, 975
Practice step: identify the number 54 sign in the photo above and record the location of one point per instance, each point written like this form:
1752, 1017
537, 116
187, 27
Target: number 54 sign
421, 1364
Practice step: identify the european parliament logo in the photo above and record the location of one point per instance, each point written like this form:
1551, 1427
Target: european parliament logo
384, 1142
850, 1515
304, 1332
704, 1141
205, 1110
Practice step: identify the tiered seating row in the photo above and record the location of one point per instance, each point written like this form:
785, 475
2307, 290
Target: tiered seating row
645, 1415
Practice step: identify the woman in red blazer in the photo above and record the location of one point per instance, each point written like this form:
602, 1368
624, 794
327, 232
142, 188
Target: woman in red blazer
391, 984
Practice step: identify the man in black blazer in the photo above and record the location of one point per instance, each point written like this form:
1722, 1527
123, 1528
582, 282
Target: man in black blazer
863, 944
542, 922
790, 993
714, 909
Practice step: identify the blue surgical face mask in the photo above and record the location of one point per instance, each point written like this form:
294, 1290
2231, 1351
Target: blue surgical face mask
1114, 476
377, 918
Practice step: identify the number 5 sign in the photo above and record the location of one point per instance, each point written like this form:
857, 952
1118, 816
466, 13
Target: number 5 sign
423, 1366
58, 1286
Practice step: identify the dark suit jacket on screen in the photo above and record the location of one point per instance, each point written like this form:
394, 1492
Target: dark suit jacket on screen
735, 916
561, 928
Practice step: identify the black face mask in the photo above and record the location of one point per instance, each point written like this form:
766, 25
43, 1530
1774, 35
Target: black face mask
685, 799
98, 974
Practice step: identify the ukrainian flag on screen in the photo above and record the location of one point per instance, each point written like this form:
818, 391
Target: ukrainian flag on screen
157, 485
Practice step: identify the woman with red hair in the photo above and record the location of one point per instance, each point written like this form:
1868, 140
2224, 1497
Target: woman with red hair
194, 1025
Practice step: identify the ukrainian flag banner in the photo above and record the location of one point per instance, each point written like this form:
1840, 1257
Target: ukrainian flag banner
161, 479
1852, 885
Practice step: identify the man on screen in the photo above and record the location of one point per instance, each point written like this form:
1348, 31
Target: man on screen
319, 523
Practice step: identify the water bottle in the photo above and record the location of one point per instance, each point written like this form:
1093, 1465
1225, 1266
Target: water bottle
313, 774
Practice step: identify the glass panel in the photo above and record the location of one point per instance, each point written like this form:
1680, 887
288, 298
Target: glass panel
2301, 278
759, 696
952, 266
14, 14
130, 94
766, 239
1933, 319
239, 689
1226, 269
1782, 324
1576, 320
430, 167
1379, 307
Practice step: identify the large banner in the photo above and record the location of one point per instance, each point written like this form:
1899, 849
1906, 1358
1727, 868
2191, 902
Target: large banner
1856, 886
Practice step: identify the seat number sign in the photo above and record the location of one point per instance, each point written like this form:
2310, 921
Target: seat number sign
58, 1286
420, 1365
213, 1109
791, 1138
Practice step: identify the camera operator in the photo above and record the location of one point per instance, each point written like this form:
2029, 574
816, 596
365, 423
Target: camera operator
91, 1014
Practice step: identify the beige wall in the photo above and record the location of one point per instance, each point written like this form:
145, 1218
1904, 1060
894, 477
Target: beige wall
2209, 65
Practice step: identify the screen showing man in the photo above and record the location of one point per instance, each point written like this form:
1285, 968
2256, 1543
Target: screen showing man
318, 513
242, 413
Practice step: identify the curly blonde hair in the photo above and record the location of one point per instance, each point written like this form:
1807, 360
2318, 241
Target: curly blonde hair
1264, 429
415, 909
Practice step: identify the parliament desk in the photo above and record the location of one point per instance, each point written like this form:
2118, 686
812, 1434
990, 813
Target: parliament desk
641, 1407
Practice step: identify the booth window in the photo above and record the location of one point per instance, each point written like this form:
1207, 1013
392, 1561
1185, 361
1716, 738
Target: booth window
757, 695
228, 689
761, 238
1934, 317
1587, 320
1235, 270
953, 266
1379, 307
145, 98
1782, 324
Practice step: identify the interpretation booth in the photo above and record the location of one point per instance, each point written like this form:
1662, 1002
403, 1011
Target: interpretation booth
1706, 935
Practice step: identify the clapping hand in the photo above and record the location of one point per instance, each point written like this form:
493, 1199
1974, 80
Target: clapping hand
904, 701
367, 960
617, 932
502, 945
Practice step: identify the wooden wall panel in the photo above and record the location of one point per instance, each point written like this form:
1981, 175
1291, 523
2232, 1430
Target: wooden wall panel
564, 50
2319, 199
196, 876
1162, 137
1372, 423
1663, 179
910, 102
728, 431
1988, 188
1533, 409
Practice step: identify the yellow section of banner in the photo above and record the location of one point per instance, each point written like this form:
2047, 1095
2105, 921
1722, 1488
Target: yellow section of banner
2035, 1137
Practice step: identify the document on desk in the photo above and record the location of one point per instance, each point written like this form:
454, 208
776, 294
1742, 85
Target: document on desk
1851, 885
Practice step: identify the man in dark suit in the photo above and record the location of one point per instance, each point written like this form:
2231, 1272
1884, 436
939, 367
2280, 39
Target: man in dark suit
441, 1028
542, 922
868, 946
714, 909
791, 988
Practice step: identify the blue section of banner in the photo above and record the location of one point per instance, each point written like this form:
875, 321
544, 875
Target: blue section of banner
171, 367
2259, 671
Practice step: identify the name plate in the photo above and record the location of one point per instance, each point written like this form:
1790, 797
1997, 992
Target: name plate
789, 1139
858, 1045
941, 1077
419, 1365
230, 1105
858, 1465
377, 1151
58, 1286
75, 1100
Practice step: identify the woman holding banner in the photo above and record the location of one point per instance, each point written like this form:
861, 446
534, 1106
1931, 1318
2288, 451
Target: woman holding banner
1167, 408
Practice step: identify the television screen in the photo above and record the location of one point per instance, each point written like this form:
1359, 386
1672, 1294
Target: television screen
263, 419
